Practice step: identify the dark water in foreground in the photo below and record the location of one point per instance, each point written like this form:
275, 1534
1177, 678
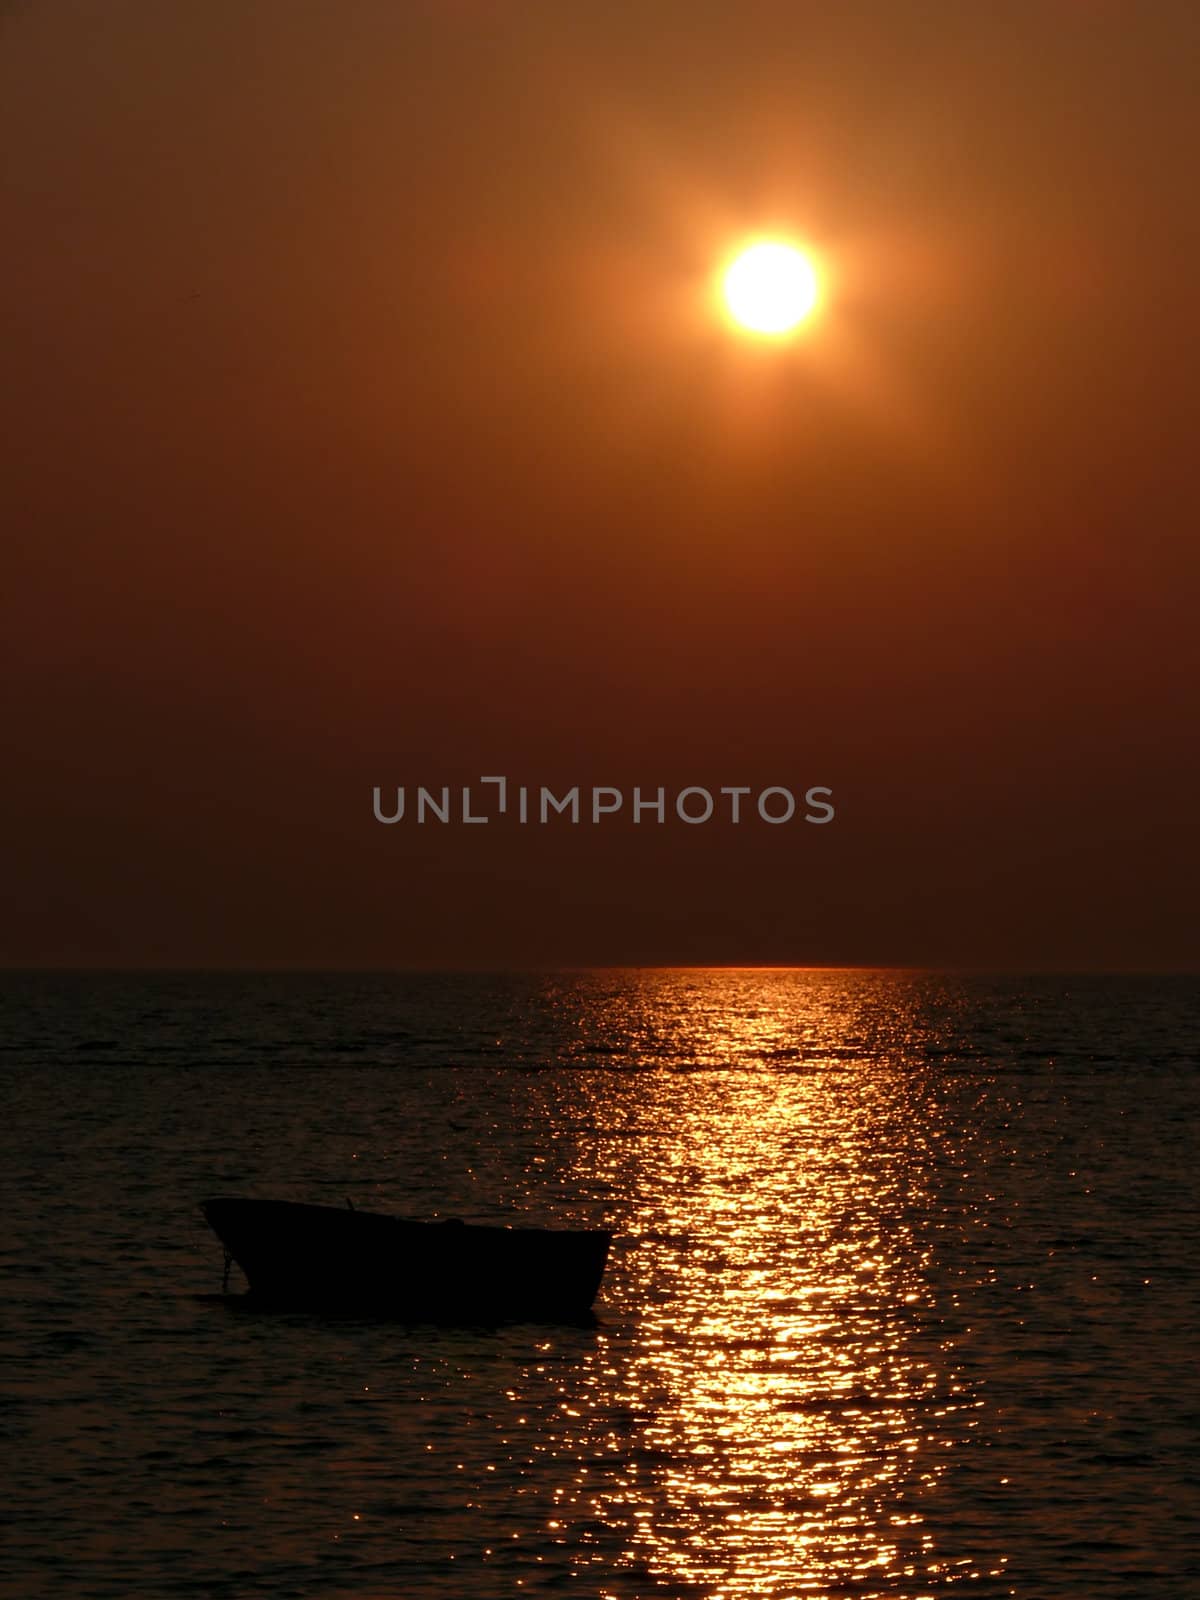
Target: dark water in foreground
904, 1299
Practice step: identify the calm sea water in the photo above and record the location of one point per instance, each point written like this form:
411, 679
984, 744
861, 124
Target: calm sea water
904, 1299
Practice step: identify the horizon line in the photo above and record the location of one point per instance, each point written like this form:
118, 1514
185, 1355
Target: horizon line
543, 968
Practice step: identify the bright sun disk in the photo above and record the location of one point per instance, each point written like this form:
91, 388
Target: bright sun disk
770, 288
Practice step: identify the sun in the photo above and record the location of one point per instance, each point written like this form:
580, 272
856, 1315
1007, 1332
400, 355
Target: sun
770, 288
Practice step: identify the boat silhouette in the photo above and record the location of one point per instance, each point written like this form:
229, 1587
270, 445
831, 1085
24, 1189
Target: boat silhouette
329, 1259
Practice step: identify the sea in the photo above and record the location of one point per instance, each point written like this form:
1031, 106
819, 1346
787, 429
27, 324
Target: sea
902, 1301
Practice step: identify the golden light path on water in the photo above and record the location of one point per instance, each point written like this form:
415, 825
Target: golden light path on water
792, 1418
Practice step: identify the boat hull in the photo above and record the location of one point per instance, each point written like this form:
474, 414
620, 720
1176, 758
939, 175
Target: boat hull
328, 1258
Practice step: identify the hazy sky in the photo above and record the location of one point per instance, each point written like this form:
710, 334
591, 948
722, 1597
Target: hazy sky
368, 420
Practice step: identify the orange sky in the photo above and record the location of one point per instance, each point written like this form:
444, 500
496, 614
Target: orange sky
367, 423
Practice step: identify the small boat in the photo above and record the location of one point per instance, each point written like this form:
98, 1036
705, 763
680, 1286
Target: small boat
329, 1258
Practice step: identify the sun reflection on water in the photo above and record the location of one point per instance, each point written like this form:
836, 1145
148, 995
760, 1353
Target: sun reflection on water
793, 1400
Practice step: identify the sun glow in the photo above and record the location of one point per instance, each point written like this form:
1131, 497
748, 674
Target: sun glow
770, 288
